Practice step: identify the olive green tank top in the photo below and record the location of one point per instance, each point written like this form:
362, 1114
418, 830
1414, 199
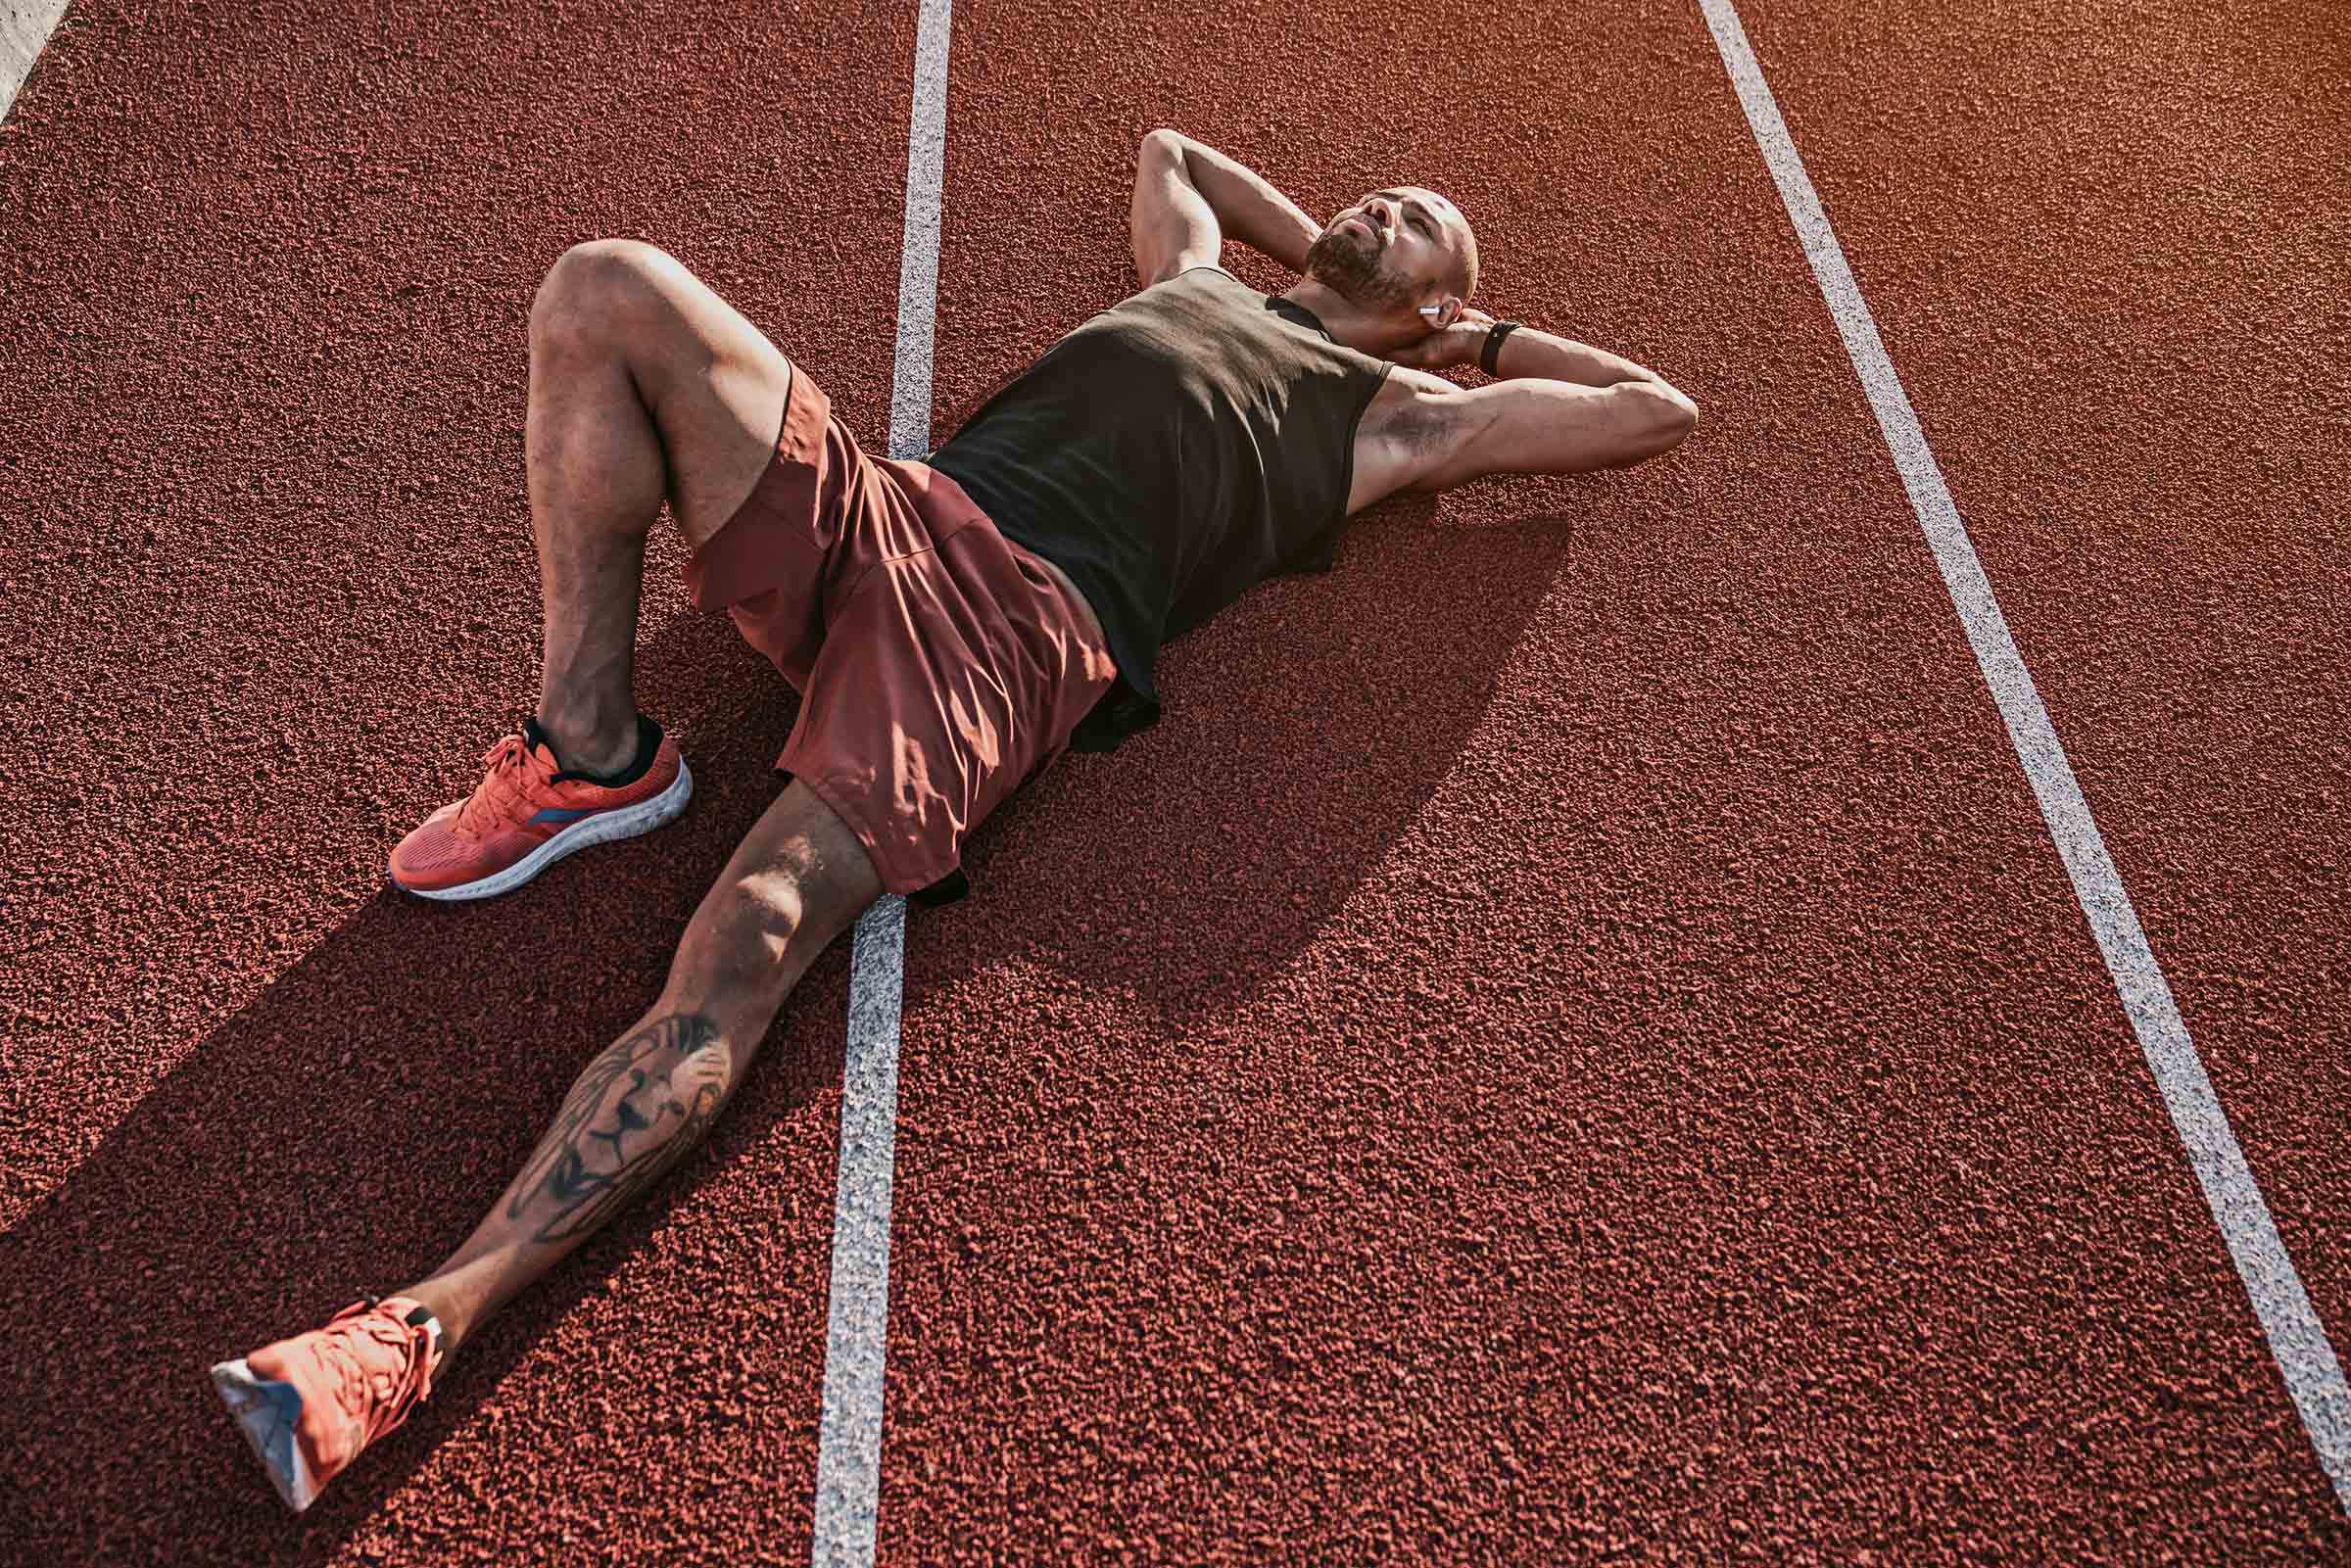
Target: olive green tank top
1171, 452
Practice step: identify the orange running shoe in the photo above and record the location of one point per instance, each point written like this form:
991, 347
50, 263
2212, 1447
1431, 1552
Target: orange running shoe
527, 814
308, 1405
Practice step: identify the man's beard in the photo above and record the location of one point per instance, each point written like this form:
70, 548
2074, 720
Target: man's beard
1350, 265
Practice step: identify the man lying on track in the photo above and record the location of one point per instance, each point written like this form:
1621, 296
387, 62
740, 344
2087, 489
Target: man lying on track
953, 627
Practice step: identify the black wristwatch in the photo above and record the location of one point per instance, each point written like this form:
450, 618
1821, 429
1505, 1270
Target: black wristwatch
1491, 354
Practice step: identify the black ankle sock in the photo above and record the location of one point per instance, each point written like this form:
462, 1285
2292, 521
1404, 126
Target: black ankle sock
649, 741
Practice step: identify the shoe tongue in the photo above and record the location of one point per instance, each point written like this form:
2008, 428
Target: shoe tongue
533, 738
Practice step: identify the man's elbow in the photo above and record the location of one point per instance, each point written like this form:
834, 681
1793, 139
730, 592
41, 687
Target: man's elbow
1163, 143
1672, 415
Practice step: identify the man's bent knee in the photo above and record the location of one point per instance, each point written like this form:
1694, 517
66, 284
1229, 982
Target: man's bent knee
596, 284
713, 384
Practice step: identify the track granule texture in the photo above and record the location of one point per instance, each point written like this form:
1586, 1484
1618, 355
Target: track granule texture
1570, 1040
2110, 247
264, 293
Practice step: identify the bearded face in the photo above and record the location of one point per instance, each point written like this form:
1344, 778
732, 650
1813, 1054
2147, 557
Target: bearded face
1347, 257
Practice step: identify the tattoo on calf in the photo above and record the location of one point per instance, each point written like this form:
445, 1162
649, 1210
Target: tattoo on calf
633, 1114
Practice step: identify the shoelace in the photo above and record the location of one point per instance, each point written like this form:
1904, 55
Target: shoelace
513, 769
356, 1337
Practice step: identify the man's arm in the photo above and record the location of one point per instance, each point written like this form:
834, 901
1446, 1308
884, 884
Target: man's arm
1188, 196
1529, 354
1557, 407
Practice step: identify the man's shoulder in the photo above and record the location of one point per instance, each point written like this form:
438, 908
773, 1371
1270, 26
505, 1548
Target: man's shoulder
1203, 272
1204, 278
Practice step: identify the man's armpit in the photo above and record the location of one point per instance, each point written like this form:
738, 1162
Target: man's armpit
1418, 424
1431, 430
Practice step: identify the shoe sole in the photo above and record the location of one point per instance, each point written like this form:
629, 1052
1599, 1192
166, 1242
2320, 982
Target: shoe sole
265, 1410
621, 822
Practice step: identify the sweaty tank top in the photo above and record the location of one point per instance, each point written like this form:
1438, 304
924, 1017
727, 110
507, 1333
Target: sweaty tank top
1176, 449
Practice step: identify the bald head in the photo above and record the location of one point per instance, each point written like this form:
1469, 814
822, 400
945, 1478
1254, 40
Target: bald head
1460, 276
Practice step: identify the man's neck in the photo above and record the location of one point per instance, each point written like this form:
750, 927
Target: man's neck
1347, 323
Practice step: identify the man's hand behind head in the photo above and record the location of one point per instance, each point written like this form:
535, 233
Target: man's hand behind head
1446, 345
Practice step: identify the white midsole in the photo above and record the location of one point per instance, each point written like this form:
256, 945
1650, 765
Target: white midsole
626, 822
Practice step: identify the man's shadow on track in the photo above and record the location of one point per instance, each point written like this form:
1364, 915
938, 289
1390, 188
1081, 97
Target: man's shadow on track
1305, 730
346, 1128
355, 1117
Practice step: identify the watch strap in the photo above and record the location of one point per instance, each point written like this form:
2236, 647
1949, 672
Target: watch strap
1491, 356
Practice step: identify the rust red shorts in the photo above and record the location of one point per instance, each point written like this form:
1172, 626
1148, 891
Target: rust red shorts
940, 666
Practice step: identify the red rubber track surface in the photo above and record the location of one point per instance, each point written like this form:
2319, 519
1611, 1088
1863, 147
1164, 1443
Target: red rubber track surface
1571, 1039
2110, 247
268, 275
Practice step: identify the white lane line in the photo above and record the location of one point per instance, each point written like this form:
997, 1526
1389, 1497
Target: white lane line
2312, 1375
25, 27
918, 254
848, 1447
848, 1451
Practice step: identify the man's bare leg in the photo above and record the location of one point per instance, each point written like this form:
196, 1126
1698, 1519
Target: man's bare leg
645, 384
309, 1404
799, 880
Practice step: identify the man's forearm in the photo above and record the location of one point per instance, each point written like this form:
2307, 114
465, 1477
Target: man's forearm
1529, 353
1248, 208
